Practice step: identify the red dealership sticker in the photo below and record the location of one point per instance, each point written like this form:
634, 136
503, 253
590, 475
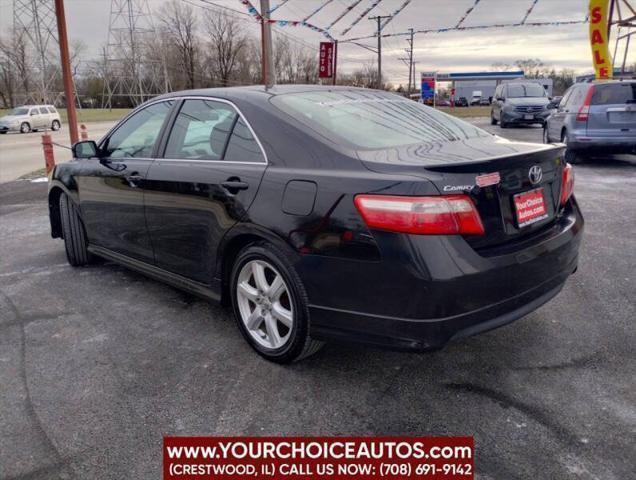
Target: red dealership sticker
488, 179
332, 458
530, 207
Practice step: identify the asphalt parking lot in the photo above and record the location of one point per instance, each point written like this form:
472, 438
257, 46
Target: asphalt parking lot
98, 363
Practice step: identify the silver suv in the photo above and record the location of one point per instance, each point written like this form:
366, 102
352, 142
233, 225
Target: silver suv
593, 118
31, 117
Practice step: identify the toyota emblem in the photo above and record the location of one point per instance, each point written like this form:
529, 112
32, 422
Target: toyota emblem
535, 174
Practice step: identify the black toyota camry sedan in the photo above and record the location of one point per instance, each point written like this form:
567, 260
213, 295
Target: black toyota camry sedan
324, 213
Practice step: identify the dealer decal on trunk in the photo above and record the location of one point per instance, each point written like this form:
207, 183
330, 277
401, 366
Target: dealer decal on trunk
530, 207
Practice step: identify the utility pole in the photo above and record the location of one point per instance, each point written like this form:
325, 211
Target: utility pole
379, 19
269, 76
69, 91
410, 52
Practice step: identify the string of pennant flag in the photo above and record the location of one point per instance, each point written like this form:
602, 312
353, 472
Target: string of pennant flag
468, 12
458, 27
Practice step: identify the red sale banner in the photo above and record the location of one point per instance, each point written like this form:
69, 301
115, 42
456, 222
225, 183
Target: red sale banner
325, 65
332, 458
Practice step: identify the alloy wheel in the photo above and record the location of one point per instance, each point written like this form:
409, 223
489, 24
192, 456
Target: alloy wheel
265, 304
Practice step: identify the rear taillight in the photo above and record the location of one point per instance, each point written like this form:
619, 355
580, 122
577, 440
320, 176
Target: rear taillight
567, 183
584, 111
439, 215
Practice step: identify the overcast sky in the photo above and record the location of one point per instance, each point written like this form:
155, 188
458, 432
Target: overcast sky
564, 46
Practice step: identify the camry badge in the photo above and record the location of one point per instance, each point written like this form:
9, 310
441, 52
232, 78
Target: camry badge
488, 179
535, 174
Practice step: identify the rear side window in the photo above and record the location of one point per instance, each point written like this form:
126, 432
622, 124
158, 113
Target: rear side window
44, 111
614, 93
577, 96
242, 146
201, 130
373, 120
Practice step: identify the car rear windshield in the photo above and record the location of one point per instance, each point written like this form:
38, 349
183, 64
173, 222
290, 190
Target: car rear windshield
19, 111
373, 120
614, 93
519, 90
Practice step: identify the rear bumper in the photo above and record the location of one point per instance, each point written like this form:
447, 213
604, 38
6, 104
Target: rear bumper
607, 144
421, 335
419, 304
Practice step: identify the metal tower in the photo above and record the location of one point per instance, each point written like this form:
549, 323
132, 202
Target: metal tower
623, 18
35, 25
131, 67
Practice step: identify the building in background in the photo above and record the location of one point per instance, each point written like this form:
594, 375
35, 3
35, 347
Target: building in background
466, 83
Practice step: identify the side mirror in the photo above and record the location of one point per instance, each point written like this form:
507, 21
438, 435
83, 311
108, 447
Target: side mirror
33, 114
501, 99
85, 149
551, 106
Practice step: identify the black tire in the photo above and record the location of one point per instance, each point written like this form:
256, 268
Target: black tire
55, 126
299, 345
493, 120
570, 156
25, 127
73, 233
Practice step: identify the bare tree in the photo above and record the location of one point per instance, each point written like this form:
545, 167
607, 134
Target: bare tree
180, 24
227, 42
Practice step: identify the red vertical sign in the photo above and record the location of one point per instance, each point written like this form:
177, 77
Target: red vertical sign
326, 60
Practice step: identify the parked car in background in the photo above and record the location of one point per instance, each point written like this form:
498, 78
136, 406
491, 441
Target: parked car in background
30, 118
461, 102
476, 98
519, 103
325, 213
595, 117
484, 101
554, 102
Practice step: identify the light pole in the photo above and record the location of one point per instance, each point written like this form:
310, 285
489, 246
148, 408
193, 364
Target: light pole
69, 91
269, 76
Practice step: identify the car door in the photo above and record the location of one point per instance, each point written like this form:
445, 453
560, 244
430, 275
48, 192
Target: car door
556, 120
34, 118
44, 118
111, 187
207, 179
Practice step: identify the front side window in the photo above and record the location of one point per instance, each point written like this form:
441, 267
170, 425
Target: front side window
136, 137
373, 120
519, 90
201, 130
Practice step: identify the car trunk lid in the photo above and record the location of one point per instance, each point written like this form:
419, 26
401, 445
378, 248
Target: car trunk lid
496, 176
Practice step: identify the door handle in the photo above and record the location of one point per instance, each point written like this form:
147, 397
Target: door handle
235, 185
133, 178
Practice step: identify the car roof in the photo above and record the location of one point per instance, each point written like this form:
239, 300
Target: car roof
253, 91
